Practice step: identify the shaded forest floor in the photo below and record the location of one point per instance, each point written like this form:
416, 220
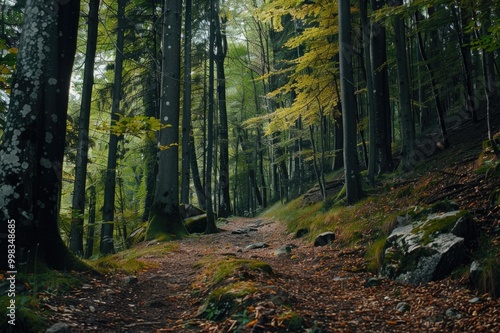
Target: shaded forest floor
310, 289
325, 286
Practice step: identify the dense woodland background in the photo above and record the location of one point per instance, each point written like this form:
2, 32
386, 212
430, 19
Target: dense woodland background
229, 106
123, 121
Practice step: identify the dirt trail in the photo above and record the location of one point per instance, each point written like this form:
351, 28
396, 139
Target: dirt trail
326, 286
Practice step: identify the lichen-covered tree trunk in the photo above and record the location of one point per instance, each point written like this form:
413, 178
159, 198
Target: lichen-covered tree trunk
78, 204
32, 150
166, 219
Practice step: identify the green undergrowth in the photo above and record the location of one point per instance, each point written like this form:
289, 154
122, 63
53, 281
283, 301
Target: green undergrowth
233, 289
216, 271
369, 222
133, 260
488, 256
352, 225
32, 291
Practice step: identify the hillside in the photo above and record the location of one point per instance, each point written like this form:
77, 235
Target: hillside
256, 276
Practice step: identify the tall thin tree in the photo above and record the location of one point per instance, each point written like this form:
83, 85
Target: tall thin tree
78, 204
166, 217
220, 56
407, 124
186, 106
211, 226
351, 164
108, 210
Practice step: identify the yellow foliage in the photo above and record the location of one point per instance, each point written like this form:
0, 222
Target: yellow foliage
313, 76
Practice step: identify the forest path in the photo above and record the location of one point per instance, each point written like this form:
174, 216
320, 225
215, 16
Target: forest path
324, 285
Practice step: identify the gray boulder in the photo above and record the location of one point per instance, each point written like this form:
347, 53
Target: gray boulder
258, 245
324, 239
428, 249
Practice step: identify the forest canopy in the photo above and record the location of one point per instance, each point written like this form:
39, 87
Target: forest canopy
228, 106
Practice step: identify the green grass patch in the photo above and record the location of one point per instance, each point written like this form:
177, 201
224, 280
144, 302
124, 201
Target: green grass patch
375, 255
292, 321
29, 316
132, 260
216, 271
222, 302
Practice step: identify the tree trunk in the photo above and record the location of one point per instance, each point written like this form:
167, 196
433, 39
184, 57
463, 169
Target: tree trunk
372, 129
108, 210
435, 92
89, 246
351, 164
32, 150
407, 124
211, 226
220, 56
186, 107
489, 75
78, 204
198, 186
378, 58
151, 102
461, 21
166, 220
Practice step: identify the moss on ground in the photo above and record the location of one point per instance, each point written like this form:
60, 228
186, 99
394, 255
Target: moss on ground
30, 316
223, 301
216, 271
132, 260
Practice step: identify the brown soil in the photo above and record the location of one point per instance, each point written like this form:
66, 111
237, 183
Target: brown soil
326, 286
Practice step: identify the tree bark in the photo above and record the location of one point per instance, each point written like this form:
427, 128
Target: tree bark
378, 58
78, 204
435, 92
351, 164
186, 107
32, 150
221, 47
372, 116
407, 124
108, 210
166, 219
211, 226
151, 102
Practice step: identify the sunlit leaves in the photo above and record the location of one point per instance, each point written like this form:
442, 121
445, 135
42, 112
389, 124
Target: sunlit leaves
136, 125
312, 75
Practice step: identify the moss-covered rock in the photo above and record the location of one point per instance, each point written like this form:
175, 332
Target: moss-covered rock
196, 224
427, 249
223, 301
